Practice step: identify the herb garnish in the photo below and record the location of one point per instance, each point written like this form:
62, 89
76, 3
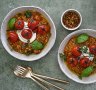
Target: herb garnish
62, 56
84, 49
28, 14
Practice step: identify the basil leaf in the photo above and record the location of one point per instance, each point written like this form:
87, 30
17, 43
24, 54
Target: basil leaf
86, 72
62, 56
82, 38
36, 45
28, 14
11, 23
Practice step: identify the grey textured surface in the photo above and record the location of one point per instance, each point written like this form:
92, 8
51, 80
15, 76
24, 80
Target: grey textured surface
49, 64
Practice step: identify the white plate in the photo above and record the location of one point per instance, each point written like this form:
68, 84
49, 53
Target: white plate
64, 68
22, 56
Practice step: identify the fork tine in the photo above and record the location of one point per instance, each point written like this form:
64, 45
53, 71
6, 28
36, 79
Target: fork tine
19, 70
20, 67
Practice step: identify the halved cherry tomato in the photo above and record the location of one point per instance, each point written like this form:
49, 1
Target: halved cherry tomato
84, 62
26, 33
19, 24
33, 24
46, 28
41, 30
76, 51
93, 49
72, 61
13, 37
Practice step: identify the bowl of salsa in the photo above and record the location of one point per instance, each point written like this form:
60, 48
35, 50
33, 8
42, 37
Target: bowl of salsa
71, 19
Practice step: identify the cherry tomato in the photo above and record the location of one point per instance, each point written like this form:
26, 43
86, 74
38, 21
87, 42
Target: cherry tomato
13, 37
72, 61
75, 51
26, 33
93, 49
84, 62
41, 30
45, 28
19, 24
33, 24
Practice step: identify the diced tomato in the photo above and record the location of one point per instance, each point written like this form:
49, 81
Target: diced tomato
84, 62
37, 17
76, 51
12, 36
19, 24
37, 51
33, 24
93, 49
26, 33
72, 61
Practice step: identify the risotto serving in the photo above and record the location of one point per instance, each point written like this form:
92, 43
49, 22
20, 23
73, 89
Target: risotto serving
80, 55
28, 32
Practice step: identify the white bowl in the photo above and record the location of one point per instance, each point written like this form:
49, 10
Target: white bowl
64, 68
68, 11
22, 56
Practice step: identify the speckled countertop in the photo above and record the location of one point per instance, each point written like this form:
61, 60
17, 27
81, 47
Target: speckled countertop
47, 65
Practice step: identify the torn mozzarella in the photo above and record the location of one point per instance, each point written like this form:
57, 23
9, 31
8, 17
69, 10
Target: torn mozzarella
25, 25
87, 54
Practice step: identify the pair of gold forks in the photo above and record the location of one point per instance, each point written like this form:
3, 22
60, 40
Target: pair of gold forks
39, 79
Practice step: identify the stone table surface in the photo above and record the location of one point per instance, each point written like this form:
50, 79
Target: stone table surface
47, 65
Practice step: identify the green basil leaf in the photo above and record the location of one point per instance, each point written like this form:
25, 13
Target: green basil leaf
11, 23
82, 38
62, 56
28, 14
36, 45
86, 72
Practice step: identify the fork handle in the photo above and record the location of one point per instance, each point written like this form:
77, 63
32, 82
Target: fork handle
54, 79
46, 82
45, 88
